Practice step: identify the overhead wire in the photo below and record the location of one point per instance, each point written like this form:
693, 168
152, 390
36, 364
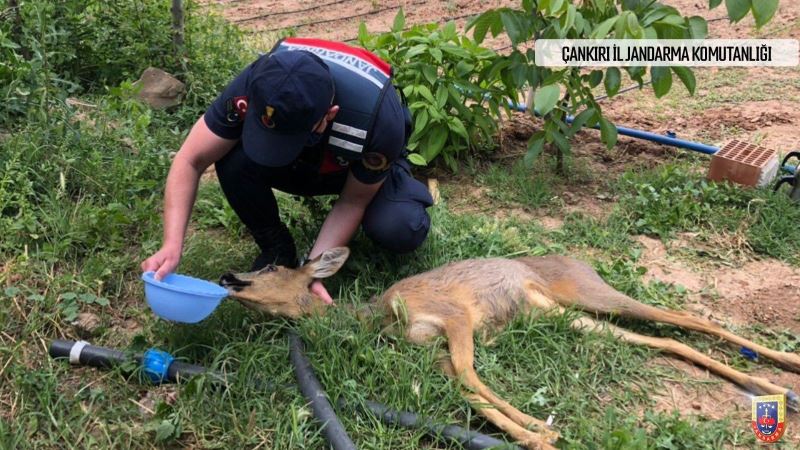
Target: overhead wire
336, 19
285, 13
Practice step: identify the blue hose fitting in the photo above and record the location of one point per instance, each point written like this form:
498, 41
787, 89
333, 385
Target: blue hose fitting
749, 354
155, 364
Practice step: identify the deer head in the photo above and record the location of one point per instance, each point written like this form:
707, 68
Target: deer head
285, 292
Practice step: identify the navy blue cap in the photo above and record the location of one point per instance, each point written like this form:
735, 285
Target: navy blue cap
289, 92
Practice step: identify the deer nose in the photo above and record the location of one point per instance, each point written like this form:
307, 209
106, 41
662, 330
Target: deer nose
230, 280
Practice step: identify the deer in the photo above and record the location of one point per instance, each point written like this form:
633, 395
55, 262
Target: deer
459, 299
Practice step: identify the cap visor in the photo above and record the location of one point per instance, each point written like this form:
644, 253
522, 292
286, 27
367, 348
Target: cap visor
269, 148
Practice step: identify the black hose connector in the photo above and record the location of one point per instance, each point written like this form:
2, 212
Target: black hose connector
470, 440
332, 428
105, 358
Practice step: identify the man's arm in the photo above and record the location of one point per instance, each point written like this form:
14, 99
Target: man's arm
200, 149
346, 215
342, 222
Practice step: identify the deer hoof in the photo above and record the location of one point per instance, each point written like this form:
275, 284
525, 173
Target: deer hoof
793, 401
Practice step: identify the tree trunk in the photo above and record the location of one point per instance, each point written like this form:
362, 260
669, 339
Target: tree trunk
177, 27
16, 29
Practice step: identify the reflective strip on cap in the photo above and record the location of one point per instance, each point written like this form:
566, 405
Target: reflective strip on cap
352, 131
347, 145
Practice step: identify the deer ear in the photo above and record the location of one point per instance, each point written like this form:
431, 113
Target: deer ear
328, 263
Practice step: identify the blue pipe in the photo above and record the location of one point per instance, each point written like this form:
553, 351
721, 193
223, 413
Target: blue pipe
659, 138
653, 137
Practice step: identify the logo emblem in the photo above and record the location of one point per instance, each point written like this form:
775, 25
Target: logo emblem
266, 118
236, 108
769, 415
240, 104
375, 161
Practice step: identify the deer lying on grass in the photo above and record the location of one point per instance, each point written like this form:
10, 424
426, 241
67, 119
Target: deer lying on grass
460, 298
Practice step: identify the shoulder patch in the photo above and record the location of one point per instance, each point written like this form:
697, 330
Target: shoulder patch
236, 108
375, 161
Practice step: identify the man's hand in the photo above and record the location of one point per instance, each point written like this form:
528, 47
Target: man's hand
163, 262
319, 289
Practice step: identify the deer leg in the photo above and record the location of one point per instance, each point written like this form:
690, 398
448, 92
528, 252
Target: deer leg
753, 384
461, 346
529, 439
525, 437
688, 321
609, 301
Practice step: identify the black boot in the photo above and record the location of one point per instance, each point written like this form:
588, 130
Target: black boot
277, 247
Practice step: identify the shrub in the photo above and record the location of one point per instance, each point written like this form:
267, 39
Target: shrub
451, 87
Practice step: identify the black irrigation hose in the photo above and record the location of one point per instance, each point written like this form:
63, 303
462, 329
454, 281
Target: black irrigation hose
81, 353
336, 19
470, 440
332, 428
106, 358
284, 13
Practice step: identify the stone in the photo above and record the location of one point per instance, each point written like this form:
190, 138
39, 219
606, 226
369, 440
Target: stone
86, 324
160, 89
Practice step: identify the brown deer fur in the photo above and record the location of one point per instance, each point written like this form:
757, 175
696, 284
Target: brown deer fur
465, 297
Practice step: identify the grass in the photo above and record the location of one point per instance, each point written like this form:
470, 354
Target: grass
589, 382
80, 204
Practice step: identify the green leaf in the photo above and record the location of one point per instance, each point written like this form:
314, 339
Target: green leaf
429, 72
399, 21
363, 34
698, 27
687, 77
535, 147
621, 25
612, 81
457, 127
604, 28
595, 78
568, 20
543, 6
425, 93
420, 121
546, 98
714, 3
436, 53
482, 24
608, 132
512, 25
560, 141
434, 143
441, 97
463, 68
662, 80
417, 159
763, 11
737, 9
416, 50
633, 27
165, 431
555, 6
580, 120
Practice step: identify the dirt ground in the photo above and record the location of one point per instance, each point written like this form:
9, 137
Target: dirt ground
760, 106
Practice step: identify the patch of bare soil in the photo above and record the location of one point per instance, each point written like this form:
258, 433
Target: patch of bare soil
340, 19
662, 267
716, 398
775, 121
754, 292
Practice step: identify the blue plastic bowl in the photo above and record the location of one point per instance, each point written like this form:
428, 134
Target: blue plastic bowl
180, 298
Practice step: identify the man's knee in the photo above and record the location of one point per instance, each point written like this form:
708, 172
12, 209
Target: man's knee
401, 230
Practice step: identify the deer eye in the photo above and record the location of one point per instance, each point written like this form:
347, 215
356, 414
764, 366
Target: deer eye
269, 268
